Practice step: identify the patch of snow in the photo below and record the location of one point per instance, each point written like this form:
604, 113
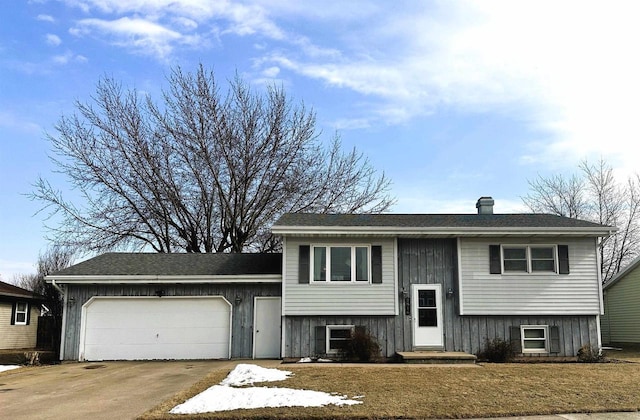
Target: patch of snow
245, 374
8, 367
223, 398
305, 360
325, 360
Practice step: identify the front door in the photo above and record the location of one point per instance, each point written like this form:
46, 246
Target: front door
266, 328
427, 315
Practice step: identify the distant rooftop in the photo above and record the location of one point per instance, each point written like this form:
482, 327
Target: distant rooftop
9, 290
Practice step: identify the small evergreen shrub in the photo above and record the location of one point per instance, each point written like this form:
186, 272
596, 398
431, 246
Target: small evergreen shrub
589, 354
361, 347
496, 351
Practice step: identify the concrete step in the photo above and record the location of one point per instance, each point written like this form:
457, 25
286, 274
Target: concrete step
436, 357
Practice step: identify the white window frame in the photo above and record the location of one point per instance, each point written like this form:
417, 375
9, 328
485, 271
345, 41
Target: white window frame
18, 312
523, 339
328, 329
528, 248
327, 279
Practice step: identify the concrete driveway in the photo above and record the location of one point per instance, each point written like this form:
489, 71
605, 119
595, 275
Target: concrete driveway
99, 390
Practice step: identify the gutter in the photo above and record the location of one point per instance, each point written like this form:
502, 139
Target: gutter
63, 328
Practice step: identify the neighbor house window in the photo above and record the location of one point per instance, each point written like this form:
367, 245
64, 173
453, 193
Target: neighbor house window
529, 259
337, 337
340, 263
534, 338
20, 317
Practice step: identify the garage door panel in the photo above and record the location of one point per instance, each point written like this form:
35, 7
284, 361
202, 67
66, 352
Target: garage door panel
156, 328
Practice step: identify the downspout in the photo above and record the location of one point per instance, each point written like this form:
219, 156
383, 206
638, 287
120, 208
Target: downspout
63, 332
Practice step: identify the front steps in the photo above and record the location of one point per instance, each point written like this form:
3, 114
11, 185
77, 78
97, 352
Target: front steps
436, 357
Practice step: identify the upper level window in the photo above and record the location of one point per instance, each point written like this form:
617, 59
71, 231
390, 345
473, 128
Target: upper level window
340, 263
529, 259
21, 313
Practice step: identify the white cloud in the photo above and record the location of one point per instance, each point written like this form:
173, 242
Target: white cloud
53, 40
68, 57
45, 18
142, 36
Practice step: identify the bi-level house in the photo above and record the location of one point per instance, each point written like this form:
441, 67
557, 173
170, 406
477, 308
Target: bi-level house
440, 281
413, 281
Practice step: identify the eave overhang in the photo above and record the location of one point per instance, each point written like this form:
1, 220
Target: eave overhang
163, 279
443, 232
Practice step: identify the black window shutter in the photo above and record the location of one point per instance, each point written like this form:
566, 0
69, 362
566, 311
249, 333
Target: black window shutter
303, 264
13, 313
28, 313
563, 259
554, 339
495, 266
515, 339
376, 264
321, 339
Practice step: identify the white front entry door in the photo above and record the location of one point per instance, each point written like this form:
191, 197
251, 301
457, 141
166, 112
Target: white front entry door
266, 328
427, 315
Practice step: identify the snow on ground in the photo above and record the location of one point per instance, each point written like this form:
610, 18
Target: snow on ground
245, 374
8, 367
225, 396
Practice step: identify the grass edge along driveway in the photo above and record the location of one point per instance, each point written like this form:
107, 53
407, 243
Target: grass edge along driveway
423, 391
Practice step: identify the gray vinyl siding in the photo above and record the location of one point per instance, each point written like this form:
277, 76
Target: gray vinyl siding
621, 320
483, 293
329, 298
242, 314
430, 261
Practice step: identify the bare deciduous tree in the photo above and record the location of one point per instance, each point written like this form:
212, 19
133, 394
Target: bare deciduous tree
200, 172
595, 195
54, 259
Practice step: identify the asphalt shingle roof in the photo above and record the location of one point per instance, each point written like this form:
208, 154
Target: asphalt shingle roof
9, 290
433, 220
176, 264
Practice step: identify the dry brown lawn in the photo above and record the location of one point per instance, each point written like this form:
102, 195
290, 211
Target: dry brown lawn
402, 391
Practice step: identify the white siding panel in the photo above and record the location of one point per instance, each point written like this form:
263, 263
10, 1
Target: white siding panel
529, 294
334, 298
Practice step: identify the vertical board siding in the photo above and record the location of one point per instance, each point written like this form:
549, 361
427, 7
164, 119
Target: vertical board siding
621, 320
242, 314
327, 298
522, 294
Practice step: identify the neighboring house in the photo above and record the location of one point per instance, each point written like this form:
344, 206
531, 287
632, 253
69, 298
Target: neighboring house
621, 320
19, 311
440, 281
412, 281
127, 306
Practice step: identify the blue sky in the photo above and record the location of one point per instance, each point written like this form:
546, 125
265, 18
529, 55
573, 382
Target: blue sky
452, 100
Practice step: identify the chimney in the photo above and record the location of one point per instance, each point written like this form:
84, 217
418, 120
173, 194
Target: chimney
485, 205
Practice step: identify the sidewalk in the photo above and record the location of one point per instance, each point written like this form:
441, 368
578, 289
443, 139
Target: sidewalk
589, 416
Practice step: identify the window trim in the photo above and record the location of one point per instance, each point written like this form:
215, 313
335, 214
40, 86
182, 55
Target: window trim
529, 259
18, 312
328, 329
328, 247
523, 339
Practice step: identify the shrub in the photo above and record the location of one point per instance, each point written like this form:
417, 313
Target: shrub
361, 347
589, 354
497, 351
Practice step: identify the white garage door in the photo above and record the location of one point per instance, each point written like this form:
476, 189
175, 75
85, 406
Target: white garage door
155, 328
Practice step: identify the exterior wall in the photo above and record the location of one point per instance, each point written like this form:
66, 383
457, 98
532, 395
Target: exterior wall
483, 293
430, 261
621, 320
242, 313
338, 298
18, 336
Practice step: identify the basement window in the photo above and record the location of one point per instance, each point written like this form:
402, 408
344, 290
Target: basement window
337, 337
534, 338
